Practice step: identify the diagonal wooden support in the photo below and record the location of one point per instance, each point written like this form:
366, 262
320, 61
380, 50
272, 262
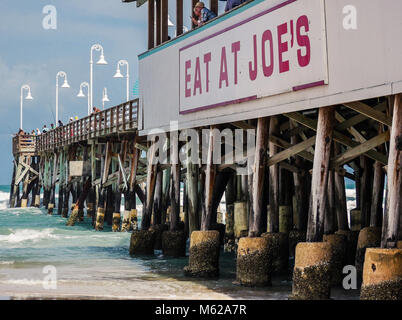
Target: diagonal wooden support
355, 152
369, 112
352, 130
353, 121
291, 151
337, 136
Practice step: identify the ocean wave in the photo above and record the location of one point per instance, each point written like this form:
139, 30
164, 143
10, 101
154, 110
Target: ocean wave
22, 235
4, 197
6, 262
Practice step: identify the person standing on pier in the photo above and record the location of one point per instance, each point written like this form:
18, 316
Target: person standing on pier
203, 13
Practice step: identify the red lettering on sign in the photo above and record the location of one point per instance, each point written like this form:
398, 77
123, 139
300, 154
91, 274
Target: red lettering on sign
235, 50
207, 60
188, 79
282, 48
303, 41
197, 77
267, 70
252, 67
224, 69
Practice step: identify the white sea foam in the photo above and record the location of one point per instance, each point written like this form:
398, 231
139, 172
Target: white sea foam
4, 196
6, 262
26, 282
21, 235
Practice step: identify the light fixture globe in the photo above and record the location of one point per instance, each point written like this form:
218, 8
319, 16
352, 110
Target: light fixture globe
29, 96
102, 60
65, 84
118, 74
81, 94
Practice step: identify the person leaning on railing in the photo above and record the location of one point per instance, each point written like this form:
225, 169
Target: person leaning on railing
203, 14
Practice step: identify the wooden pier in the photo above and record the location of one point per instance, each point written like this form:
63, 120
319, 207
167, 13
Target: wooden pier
286, 196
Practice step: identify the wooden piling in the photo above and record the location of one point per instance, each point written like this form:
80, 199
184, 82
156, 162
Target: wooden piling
256, 182
273, 214
175, 186
392, 215
319, 182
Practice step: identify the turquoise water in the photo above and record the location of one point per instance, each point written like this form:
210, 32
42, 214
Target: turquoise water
93, 265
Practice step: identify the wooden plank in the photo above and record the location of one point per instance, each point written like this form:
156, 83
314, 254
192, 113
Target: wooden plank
355, 152
108, 159
356, 134
337, 136
369, 112
291, 151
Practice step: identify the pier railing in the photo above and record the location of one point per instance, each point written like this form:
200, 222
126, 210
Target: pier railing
118, 119
25, 143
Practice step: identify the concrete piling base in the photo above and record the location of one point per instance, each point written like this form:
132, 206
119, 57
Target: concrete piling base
24, 203
125, 226
280, 251
116, 222
312, 271
254, 262
73, 217
174, 243
50, 208
295, 237
369, 237
204, 255
382, 275
339, 244
37, 201
142, 242
100, 219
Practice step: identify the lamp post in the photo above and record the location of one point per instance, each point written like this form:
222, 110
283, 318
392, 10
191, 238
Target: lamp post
119, 75
105, 98
61, 74
101, 61
82, 95
28, 97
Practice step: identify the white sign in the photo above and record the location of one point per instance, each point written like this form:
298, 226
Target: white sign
281, 49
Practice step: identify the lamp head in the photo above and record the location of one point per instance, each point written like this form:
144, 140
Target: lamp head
105, 97
81, 94
65, 84
118, 73
102, 60
29, 96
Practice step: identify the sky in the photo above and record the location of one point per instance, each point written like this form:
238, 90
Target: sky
33, 55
